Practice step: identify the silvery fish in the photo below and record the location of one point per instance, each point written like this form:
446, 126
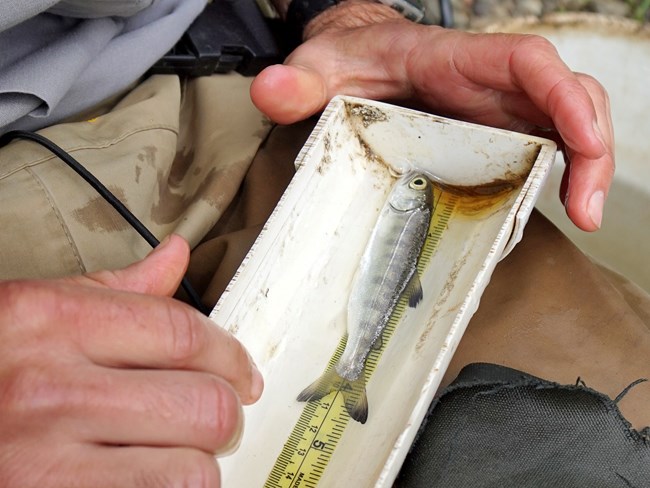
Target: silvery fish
388, 270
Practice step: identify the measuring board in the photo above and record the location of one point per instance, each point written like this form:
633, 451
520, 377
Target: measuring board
312, 442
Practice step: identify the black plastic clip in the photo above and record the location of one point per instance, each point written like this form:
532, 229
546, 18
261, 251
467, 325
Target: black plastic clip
229, 35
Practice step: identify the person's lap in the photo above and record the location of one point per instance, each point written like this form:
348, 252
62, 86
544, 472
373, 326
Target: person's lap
185, 159
173, 153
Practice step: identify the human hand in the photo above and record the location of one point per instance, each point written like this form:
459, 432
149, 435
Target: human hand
516, 82
107, 381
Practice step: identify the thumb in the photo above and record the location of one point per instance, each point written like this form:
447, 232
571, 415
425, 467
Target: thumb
289, 93
160, 273
349, 51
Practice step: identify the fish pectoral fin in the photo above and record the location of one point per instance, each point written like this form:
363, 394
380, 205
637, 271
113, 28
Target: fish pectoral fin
414, 290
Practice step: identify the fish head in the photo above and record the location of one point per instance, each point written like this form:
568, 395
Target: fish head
413, 191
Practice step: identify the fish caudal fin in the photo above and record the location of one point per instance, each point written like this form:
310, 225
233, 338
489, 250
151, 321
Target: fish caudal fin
353, 392
356, 401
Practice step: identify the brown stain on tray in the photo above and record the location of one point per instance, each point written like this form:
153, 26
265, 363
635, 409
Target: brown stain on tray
366, 113
480, 201
443, 297
481, 196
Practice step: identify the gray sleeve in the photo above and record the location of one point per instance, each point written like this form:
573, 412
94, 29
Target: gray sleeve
13, 12
99, 8
52, 67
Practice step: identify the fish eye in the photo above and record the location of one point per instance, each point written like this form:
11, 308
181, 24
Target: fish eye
418, 183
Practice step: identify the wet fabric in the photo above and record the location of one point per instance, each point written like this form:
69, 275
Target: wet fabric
496, 427
174, 153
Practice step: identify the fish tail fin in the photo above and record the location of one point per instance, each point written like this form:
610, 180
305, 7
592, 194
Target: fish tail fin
355, 399
327, 383
354, 393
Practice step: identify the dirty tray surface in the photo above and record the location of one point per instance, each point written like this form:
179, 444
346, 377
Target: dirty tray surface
288, 301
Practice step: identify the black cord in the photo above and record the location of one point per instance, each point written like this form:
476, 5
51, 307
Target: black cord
106, 194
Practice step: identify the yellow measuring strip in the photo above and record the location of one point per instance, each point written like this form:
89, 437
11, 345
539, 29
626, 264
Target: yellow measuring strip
320, 427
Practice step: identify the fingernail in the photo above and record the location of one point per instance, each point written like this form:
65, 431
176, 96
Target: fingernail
566, 199
235, 440
257, 382
566, 195
595, 207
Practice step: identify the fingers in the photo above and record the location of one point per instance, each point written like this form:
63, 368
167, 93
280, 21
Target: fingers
538, 88
587, 180
587, 187
86, 367
124, 330
94, 405
154, 408
143, 467
559, 93
160, 273
513, 79
516, 82
109, 467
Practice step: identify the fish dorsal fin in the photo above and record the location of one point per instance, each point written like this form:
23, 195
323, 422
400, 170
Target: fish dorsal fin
414, 290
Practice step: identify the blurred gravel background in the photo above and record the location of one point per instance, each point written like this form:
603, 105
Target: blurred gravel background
469, 14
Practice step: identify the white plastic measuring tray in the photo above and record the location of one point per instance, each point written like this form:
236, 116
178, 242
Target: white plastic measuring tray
287, 302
